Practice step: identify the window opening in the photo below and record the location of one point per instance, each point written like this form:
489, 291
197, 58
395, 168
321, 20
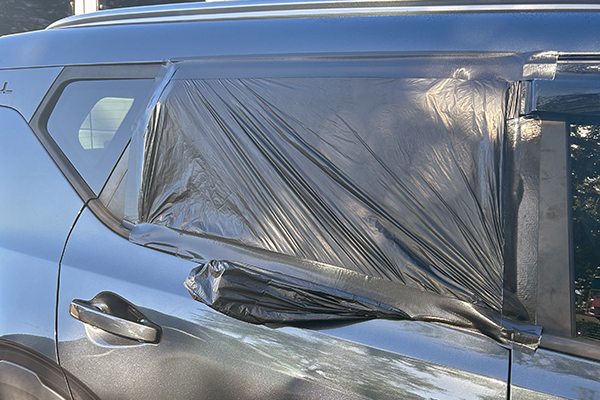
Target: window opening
91, 123
585, 188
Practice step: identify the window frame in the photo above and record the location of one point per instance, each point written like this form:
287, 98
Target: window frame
40, 118
562, 336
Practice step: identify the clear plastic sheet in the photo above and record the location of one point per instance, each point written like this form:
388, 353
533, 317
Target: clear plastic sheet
393, 179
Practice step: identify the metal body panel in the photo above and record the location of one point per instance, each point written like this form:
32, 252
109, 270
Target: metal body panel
205, 354
155, 42
24, 89
32, 234
546, 374
279, 9
32, 237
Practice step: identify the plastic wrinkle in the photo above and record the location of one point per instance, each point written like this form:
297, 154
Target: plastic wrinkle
258, 297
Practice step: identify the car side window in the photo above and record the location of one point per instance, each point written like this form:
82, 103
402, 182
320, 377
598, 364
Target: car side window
585, 190
91, 123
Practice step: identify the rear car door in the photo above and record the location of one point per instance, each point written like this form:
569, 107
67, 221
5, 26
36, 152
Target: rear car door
128, 328
204, 354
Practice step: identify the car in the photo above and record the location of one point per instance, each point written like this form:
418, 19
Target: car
302, 200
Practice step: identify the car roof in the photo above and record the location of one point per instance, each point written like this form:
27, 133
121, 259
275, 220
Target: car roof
294, 9
265, 28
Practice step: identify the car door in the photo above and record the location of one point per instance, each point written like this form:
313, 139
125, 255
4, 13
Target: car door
128, 328
204, 354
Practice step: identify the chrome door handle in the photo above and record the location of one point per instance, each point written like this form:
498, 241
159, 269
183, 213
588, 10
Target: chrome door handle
114, 314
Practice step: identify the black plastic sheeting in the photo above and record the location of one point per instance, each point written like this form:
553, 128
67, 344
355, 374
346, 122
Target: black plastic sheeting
392, 179
263, 296
233, 289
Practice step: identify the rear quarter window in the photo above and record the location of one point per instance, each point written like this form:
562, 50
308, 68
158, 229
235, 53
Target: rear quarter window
91, 123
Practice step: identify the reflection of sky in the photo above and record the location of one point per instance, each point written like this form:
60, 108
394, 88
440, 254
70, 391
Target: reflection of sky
376, 373
557, 374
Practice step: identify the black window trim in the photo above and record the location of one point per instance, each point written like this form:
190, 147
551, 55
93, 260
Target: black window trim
40, 118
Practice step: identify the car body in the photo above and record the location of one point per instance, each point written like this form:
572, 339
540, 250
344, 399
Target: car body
92, 295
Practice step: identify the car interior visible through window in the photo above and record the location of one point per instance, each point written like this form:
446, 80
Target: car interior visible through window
91, 123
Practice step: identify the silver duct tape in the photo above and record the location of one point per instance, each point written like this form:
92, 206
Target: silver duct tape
523, 187
541, 65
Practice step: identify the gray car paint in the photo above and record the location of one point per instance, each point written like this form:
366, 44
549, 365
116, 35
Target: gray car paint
496, 32
204, 354
38, 210
548, 373
24, 88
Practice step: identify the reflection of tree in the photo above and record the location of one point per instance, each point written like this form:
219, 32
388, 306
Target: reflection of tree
21, 16
585, 160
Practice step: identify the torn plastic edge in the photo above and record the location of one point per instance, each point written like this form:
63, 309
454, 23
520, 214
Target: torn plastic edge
137, 144
414, 304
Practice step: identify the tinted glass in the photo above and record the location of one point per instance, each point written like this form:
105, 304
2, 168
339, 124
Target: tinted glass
92, 121
585, 187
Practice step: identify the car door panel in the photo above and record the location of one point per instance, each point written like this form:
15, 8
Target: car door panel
38, 208
23, 88
205, 354
548, 374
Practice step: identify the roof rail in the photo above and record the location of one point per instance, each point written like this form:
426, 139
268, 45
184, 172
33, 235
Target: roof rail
256, 9
206, 10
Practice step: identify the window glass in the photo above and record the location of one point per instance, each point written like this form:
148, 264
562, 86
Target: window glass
91, 123
103, 121
585, 187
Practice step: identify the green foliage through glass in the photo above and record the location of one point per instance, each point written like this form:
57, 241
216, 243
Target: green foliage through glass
585, 189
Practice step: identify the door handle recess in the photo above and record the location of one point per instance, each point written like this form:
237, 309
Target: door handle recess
114, 314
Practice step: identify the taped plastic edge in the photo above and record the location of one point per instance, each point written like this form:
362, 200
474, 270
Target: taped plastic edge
137, 145
541, 65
